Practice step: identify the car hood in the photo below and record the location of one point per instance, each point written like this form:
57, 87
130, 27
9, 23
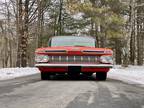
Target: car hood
67, 50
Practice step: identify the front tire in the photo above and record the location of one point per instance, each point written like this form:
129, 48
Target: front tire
102, 76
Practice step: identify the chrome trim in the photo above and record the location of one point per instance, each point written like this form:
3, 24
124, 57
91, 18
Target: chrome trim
59, 58
88, 58
67, 58
74, 58
81, 58
82, 65
96, 59
52, 58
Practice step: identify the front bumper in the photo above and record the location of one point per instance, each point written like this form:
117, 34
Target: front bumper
57, 68
82, 65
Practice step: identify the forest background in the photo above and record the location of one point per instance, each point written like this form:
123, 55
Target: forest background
28, 24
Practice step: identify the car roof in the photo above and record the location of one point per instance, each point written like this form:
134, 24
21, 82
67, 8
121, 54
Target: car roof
88, 37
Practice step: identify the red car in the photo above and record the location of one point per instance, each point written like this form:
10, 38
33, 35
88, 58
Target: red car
73, 55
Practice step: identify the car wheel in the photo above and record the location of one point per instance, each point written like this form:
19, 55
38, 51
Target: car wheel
101, 76
45, 76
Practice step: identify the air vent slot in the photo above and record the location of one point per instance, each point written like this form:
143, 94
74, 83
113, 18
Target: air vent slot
96, 52
55, 51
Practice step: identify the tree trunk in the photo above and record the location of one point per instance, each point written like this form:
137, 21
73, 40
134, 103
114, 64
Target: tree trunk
24, 41
132, 32
40, 23
140, 39
59, 28
23, 23
118, 52
19, 30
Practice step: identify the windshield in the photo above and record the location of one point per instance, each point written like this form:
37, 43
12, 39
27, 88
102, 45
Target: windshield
72, 41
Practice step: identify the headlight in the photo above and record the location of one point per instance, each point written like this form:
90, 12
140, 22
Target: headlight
41, 58
106, 59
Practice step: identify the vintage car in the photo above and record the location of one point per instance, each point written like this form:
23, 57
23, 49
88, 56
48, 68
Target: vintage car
73, 55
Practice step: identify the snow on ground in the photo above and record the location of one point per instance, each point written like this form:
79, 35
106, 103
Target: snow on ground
10, 73
131, 74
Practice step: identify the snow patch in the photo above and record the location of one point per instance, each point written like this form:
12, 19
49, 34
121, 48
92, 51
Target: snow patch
10, 73
131, 74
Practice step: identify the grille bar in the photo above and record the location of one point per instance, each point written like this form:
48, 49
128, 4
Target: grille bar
87, 59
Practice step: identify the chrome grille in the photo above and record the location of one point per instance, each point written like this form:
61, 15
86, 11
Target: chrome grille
86, 59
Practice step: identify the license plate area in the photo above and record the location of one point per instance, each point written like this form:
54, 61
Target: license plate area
74, 68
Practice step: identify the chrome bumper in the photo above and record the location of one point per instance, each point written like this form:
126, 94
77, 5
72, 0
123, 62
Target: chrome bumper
82, 65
